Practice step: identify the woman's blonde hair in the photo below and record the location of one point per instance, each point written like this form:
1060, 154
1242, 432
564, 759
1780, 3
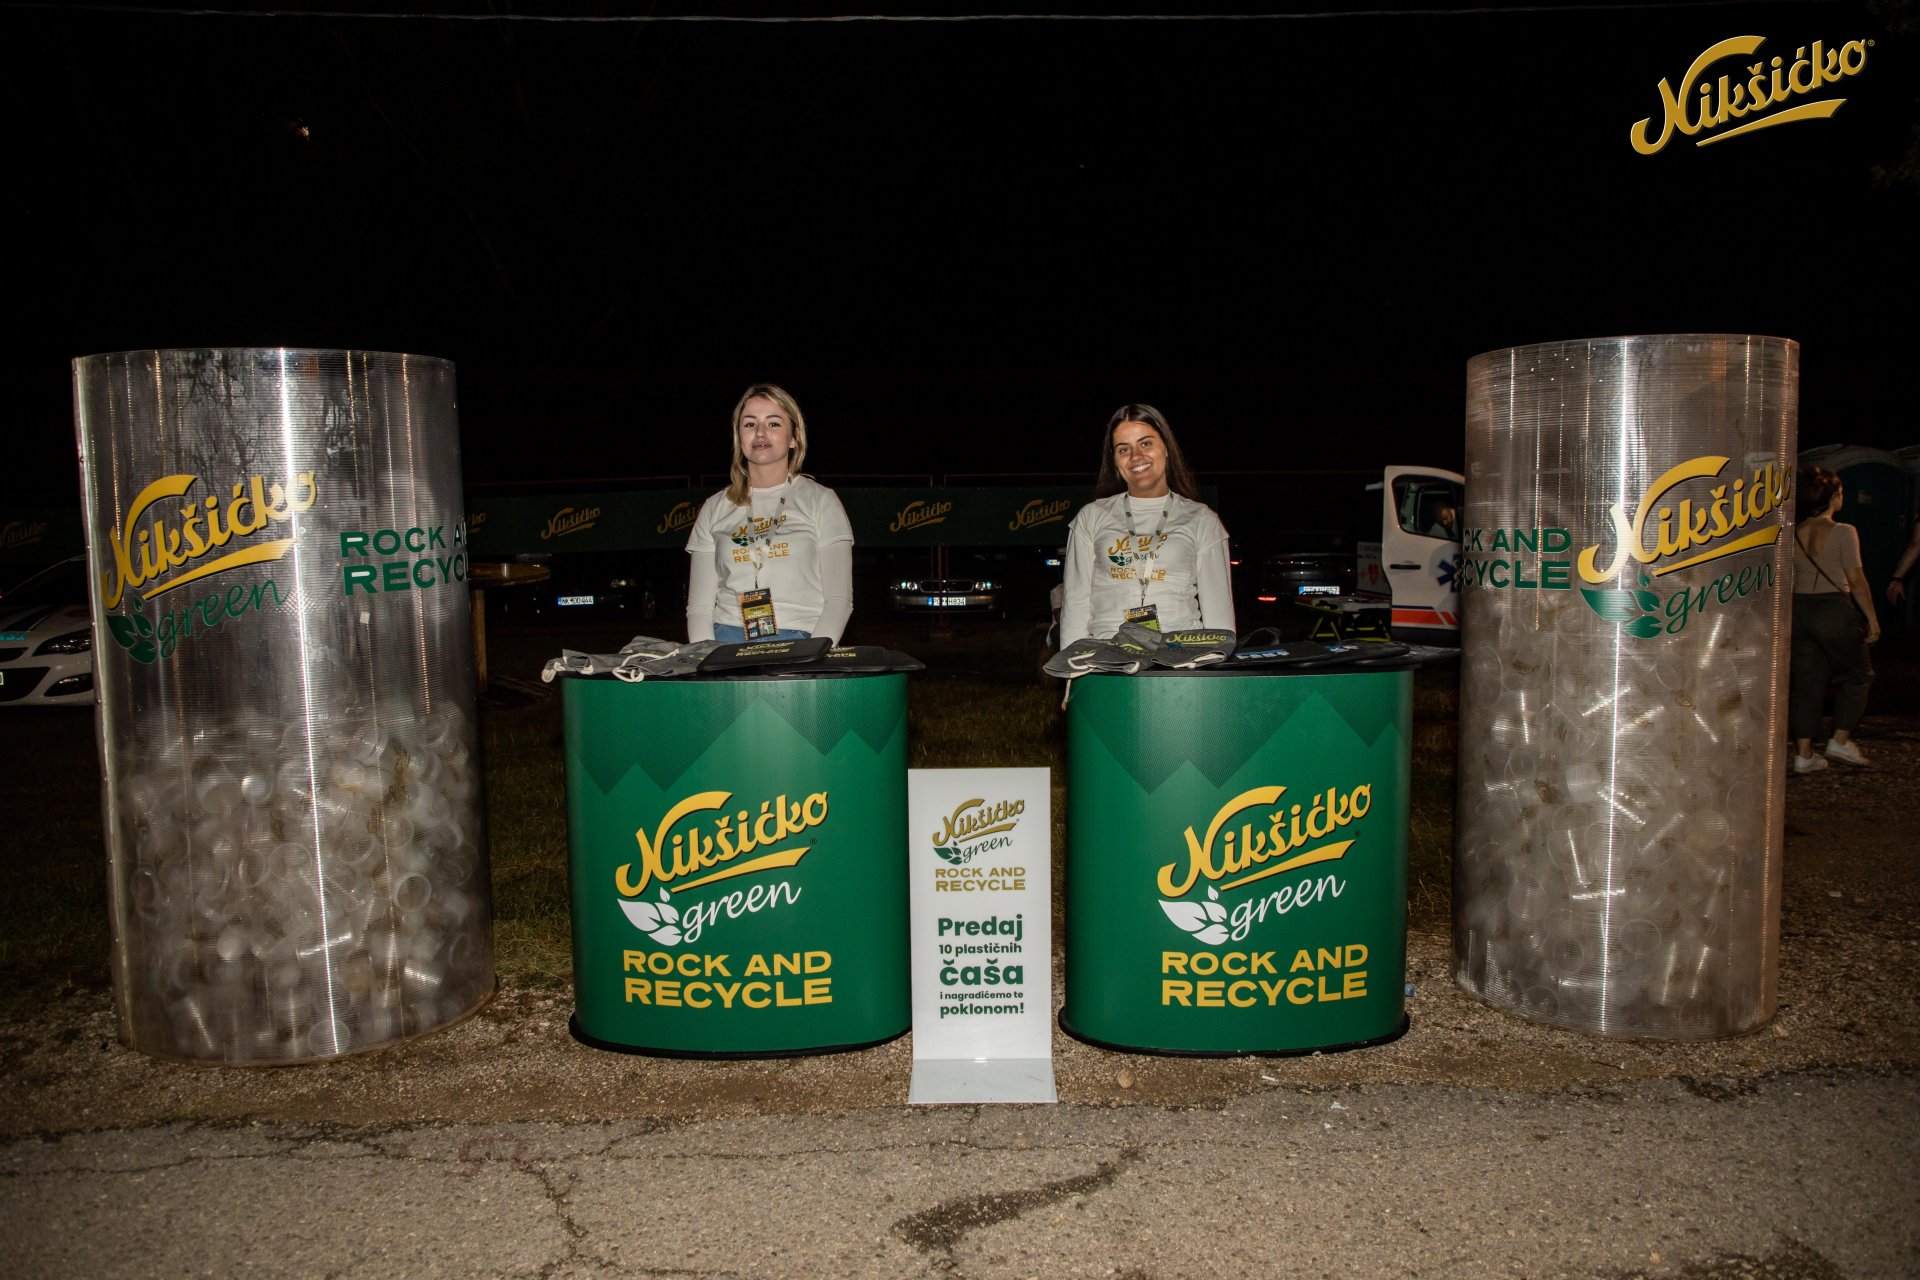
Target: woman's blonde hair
737, 473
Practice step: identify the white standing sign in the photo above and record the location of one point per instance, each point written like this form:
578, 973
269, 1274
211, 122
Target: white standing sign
980, 857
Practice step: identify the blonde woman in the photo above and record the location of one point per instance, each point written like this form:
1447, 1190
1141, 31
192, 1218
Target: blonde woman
772, 553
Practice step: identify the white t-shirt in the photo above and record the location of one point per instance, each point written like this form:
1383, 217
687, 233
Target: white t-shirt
779, 544
1186, 568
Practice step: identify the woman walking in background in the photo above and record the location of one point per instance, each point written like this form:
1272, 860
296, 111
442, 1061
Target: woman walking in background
1146, 549
1833, 623
772, 553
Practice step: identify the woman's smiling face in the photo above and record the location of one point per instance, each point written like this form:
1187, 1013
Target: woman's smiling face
1140, 456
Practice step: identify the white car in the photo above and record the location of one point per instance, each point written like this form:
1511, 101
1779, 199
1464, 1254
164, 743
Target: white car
46, 639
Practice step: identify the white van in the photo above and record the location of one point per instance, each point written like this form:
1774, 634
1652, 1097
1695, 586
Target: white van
1414, 561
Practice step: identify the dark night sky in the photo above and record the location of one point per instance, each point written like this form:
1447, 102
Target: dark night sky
960, 244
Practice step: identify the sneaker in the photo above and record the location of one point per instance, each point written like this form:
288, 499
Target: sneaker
1845, 752
1808, 764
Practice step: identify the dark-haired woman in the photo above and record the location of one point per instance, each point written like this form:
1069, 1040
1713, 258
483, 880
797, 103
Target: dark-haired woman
1146, 549
1833, 623
772, 553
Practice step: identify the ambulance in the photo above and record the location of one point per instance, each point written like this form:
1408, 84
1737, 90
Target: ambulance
1411, 560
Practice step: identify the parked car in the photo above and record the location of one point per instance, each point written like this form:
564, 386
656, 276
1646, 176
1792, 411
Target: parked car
594, 586
1310, 565
46, 639
948, 595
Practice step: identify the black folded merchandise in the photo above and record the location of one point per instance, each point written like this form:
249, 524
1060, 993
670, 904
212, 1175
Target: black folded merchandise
1264, 648
1292, 653
763, 653
852, 659
1193, 647
1385, 653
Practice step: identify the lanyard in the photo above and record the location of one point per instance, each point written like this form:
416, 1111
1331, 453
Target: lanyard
761, 541
1153, 540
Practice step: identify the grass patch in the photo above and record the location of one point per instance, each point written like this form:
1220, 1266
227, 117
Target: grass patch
54, 929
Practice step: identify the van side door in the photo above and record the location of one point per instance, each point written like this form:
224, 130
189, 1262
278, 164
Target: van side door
1420, 512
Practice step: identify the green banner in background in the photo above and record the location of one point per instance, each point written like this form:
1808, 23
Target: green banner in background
582, 521
1036, 515
738, 863
650, 519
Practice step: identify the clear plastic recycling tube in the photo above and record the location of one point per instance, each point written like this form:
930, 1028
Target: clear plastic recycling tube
284, 662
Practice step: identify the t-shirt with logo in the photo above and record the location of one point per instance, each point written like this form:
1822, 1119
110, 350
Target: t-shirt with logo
786, 540
1187, 572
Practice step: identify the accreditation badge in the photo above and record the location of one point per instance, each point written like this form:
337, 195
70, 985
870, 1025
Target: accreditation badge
1147, 615
756, 614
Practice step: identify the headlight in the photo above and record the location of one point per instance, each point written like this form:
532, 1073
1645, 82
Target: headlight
72, 642
909, 586
983, 586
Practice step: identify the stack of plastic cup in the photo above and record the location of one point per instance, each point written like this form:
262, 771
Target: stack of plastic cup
285, 671
1619, 828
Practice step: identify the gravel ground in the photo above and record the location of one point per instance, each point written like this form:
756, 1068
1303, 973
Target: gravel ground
1851, 948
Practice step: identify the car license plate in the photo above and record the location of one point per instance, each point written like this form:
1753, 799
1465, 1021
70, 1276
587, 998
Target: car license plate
946, 602
567, 600
1317, 589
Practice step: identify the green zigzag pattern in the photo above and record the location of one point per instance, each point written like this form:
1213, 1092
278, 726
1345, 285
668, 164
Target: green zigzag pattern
704, 711
1139, 741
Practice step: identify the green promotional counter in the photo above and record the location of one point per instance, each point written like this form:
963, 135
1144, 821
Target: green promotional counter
738, 863
1236, 876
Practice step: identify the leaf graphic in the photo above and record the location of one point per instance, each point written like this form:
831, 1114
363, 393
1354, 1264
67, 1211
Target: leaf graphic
666, 937
665, 896
1213, 893
1215, 912
143, 651
1213, 935
1649, 602
1646, 628
123, 632
951, 855
669, 913
1614, 606
1186, 915
645, 916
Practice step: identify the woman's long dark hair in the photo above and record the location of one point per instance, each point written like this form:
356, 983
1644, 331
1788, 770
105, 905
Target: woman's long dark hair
1107, 481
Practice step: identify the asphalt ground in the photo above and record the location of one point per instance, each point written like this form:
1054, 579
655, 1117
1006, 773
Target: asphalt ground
1478, 1144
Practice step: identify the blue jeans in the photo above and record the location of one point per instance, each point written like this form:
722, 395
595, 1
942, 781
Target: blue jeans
738, 635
